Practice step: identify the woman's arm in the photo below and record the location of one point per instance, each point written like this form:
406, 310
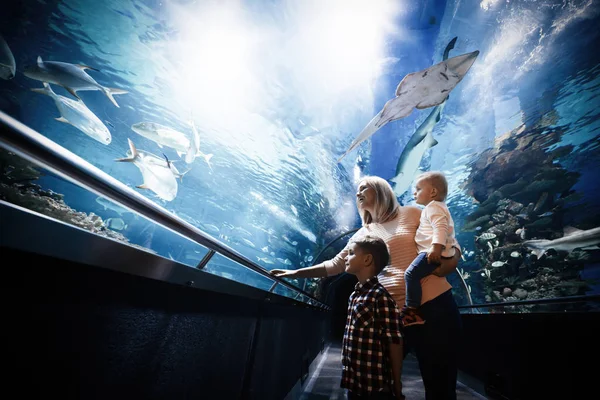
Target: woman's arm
448, 266
335, 266
316, 271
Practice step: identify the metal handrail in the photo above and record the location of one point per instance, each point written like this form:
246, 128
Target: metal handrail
332, 241
36, 148
551, 300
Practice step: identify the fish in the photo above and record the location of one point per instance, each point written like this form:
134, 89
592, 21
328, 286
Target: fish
115, 224
210, 228
7, 61
156, 175
408, 163
292, 221
486, 236
226, 275
264, 260
247, 242
572, 239
193, 150
432, 87
423, 89
109, 205
242, 231
163, 136
412, 154
72, 77
174, 170
77, 114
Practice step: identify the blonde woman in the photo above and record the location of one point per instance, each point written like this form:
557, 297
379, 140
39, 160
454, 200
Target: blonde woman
435, 342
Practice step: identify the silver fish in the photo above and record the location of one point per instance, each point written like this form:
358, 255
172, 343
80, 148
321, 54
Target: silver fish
7, 61
247, 242
163, 136
156, 175
193, 150
423, 89
572, 239
111, 206
115, 223
486, 236
77, 114
174, 169
70, 76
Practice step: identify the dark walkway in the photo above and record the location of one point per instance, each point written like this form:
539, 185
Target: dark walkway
324, 384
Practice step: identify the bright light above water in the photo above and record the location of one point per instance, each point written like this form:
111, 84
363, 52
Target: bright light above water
347, 42
213, 57
320, 57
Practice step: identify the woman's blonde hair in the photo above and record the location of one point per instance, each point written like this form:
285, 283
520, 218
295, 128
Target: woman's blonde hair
386, 205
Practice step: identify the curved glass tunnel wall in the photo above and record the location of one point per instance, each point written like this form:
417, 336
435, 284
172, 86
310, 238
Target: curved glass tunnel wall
248, 107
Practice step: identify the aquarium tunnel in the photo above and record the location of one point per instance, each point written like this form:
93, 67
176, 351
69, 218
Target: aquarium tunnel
162, 161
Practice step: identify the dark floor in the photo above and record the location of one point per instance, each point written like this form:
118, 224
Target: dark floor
324, 383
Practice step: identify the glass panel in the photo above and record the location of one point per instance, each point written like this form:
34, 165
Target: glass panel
247, 143
558, 307
221, 266
34, 188
284, 291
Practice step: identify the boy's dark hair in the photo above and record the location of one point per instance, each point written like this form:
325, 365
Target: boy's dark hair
377, 248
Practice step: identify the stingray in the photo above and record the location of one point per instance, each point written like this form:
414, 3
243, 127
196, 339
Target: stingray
424, 89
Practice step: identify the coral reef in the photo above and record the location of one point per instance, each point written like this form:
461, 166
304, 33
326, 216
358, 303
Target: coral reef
512, 210
17, 186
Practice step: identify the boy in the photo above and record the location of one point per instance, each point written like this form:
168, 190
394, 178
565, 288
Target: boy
372, 346
435, 240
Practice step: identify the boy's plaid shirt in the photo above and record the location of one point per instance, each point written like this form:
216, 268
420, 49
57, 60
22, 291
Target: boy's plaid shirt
373, 322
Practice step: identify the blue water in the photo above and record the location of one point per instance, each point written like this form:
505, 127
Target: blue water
279, 89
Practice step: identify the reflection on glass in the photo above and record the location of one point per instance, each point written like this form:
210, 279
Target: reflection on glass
558, 306
34, 188
284, 291
233, 115
226, 268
